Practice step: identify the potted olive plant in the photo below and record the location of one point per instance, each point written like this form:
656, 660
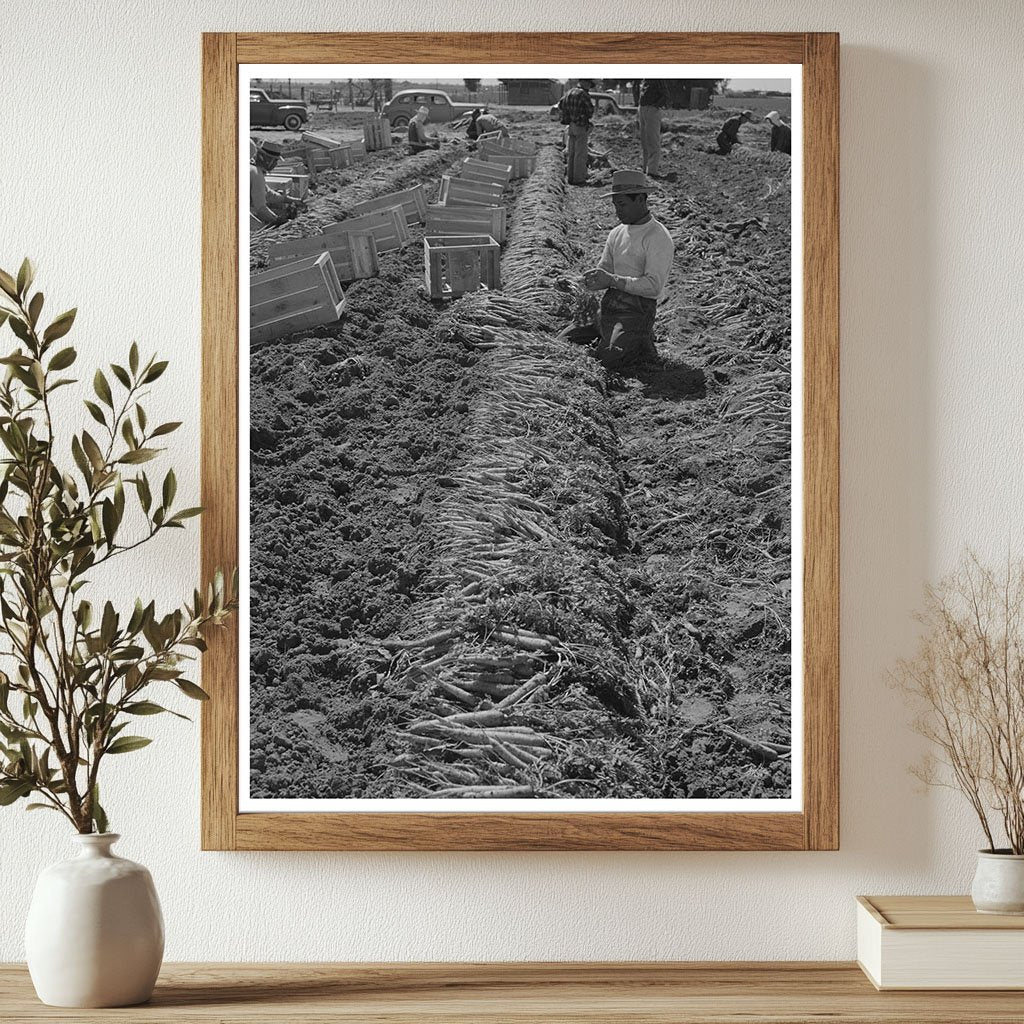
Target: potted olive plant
967, 681
81, 672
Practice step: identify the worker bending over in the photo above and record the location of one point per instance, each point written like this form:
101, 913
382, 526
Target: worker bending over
729, 136
482, 123
782, 135
267, 204
419, 140
632, 272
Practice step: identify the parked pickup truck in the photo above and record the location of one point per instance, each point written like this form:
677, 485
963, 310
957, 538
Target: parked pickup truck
265, 112
400, 108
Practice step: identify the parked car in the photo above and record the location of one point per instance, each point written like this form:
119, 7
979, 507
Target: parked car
604, 103
265, 112
400, 108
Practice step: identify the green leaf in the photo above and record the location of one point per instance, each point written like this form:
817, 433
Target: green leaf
166, 428
99, 816
170, 488
145, 498
96, 412
185, 513
60, 326
42, 807
121, 374
108, 627
154, 372
128, 433
102, 388
140, 415
14, 790
80, 459
147, 707
138, 455
8, 285
133, 357
109, 522
20, 328
126, 744
26, 275
191, 690
63, 359
35, 307
92, 449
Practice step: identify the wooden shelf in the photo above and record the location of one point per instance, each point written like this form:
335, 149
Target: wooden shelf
432, 993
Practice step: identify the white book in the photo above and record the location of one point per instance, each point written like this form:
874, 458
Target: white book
938, 942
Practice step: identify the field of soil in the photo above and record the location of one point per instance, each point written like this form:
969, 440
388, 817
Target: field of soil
483, 566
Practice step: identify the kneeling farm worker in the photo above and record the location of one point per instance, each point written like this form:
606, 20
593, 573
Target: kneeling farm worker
632, 272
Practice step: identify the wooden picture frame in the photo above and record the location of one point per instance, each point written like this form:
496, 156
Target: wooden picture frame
816, 826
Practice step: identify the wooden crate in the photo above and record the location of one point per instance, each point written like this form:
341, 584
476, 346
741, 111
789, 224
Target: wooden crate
521, 164
293, 296
316, 139
296, 185
376, 132
468, 220
522, 147
353, 253
456, 192
412, 200
388, 227
357, 150
456, 264
481, 170
328, 159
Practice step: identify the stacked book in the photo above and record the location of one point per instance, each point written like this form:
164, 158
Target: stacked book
938, 942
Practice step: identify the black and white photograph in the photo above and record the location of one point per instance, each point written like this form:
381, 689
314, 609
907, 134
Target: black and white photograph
520, 500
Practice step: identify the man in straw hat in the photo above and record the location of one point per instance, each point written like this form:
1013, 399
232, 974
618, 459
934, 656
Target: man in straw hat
576, 109
632, 272
782, 136
419, 140
730, 133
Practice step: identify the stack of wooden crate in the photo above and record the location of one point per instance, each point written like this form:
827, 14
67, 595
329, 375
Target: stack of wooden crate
413, 202
468, 220
389, 227
353, 253
515, 155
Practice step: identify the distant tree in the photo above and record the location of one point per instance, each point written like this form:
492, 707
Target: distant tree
472, 84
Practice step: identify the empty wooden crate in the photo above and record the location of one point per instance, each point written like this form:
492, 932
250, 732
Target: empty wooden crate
294, 296
456, 264
468, 220
376, 132
388, 227
522, 164
413, 202
481, 170
296, 185
458, 192
353, 253
316, 139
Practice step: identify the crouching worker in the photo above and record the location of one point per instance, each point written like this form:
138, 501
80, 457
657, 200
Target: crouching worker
484, 123
632, 272
419, 140
267, 204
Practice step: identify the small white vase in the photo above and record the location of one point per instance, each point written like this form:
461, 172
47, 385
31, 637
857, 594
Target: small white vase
999, 883
95, 933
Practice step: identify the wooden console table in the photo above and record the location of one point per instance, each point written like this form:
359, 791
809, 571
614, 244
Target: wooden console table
432, 993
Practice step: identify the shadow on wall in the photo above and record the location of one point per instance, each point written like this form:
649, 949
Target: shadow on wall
888, 276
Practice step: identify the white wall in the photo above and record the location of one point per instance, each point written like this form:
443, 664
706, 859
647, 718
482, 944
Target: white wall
101, 184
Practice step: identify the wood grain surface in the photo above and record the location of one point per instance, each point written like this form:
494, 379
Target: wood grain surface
610, 993
817, 826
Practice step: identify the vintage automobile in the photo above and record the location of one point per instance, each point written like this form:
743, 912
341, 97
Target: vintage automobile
265, 112
604, 103
400, 108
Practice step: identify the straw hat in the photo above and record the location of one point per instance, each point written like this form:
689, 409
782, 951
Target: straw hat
425, 111
625, 183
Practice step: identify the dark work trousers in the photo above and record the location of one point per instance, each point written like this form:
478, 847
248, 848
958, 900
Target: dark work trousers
624, 332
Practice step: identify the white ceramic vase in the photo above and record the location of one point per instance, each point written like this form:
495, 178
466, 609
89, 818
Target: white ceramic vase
999, 883
95, 933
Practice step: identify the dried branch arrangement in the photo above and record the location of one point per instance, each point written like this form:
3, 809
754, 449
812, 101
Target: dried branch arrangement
968, 679
79, 671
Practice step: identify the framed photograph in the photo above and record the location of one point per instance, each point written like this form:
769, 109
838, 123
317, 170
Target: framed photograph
520, 421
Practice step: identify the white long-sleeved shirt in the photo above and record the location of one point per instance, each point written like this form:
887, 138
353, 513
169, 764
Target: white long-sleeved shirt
639, 257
